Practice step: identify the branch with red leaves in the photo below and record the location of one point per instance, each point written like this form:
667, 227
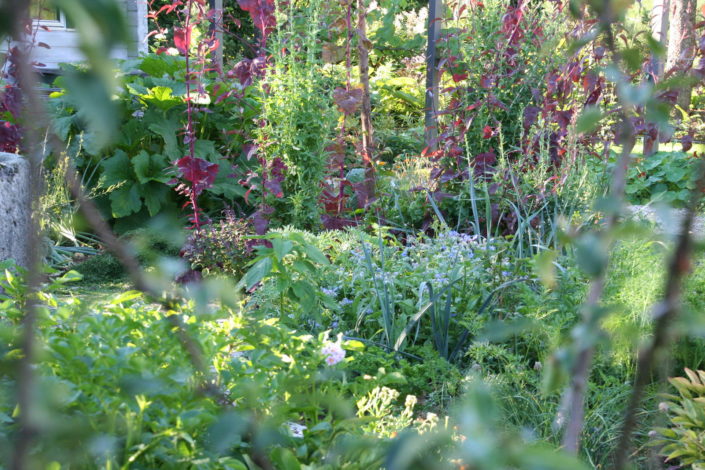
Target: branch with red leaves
198, 174
351, 100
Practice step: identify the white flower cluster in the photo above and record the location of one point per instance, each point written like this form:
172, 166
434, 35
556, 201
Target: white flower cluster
296, 429
412, 22
334, 352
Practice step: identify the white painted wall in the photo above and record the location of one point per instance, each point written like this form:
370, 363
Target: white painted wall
64, 41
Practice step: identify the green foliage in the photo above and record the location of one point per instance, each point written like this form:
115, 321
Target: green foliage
298, 113
287, 263
377, 289
100, 269
131, 178
124, 388
480, 440
403, 205
634, 283
518, 389
275, 373
485, 51
398, 101
396, 30
663, 176
114, 377
376, 406
150, 245
64, 242
433, 380
155, 242
681, 441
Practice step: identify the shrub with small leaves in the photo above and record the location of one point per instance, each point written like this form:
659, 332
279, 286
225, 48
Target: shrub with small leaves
220, 248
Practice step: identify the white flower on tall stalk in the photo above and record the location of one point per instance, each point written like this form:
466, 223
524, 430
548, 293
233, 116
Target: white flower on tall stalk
333, 352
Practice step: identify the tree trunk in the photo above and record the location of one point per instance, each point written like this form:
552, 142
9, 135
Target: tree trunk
435, 9
659, 31
368, 142
681, 44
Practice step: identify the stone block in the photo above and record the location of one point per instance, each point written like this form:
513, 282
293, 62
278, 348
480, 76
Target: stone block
15, 209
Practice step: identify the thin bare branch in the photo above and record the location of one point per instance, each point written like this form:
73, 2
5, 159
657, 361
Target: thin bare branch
664, 313
573, 404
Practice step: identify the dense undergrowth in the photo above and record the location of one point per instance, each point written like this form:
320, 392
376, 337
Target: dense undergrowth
128, 396
327, 284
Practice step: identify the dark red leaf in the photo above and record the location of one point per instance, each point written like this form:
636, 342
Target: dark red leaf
249, 150
484, 162
197, 171
594, 97
362, 191
687, 142
274, 187
277, 168
336, 223
262, 14
182, 39
493, 101
473, 106
563, 118
348, 101
487, 81
530, 115
190, 277
170, 7
260, 219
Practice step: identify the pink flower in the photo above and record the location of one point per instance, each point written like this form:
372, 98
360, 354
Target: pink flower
334, 352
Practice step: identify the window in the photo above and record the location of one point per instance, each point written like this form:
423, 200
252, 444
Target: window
43, 12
